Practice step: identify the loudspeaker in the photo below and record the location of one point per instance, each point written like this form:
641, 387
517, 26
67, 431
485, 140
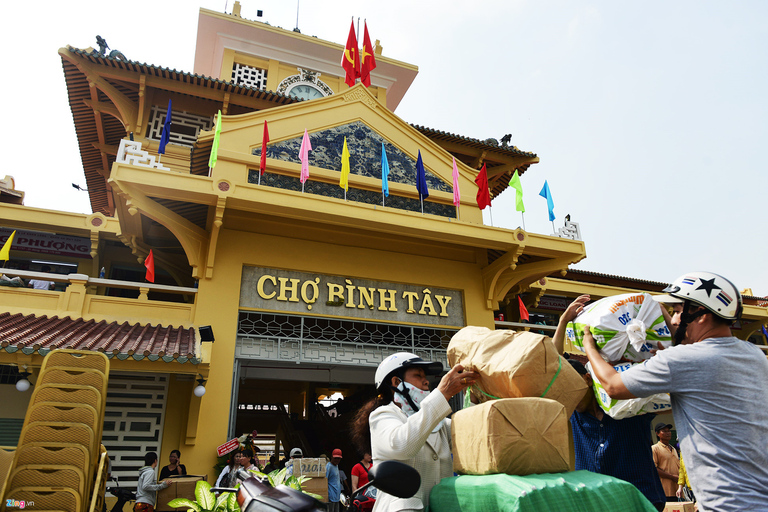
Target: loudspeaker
206, 333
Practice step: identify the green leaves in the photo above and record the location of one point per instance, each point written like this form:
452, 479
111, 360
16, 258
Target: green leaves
184, 502
205, 498
207, 501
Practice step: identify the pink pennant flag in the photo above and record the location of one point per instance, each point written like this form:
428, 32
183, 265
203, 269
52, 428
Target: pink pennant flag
306, 147
456, 191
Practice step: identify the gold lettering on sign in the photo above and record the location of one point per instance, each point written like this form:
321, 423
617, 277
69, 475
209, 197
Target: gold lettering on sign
335, 293
427, 304
315, 292
366, 297
443, 300
410, 296
390, 299
293, 288
351, 297
260, 287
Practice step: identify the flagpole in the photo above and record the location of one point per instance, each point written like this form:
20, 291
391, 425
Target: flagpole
382, 198
522, 214
490, 212
421, 199
554, 231
259, 178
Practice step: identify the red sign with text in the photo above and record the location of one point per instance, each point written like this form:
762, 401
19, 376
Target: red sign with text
227, 447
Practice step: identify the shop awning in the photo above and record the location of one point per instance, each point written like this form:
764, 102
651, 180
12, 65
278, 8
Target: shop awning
31, 334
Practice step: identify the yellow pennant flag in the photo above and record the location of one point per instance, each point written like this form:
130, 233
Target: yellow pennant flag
344, 180
5, 252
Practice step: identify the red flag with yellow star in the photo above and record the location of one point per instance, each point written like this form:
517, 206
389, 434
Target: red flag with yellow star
350, 60
367, 60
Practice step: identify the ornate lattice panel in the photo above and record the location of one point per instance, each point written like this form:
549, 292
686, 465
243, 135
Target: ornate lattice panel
133, 421
279, 337
185, 127
249, 76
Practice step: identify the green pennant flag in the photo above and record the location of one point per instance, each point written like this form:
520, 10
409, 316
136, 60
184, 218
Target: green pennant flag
215, 146
515, 183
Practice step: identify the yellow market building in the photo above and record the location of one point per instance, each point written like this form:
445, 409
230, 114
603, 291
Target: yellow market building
275, 294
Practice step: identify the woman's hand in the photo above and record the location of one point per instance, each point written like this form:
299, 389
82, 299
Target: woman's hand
456, 380
679, 492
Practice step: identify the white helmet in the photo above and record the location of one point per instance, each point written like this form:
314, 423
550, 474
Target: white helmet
296, 452
398, 362
711, 291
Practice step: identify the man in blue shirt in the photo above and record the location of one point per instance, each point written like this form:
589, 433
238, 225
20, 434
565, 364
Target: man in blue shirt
618, 448
334, 481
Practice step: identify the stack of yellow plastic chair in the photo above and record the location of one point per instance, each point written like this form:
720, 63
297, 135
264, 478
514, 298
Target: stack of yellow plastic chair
60, 463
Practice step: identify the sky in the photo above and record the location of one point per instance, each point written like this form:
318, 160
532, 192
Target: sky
649, 117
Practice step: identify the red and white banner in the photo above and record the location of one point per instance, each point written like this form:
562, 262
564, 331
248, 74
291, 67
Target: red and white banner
227, 447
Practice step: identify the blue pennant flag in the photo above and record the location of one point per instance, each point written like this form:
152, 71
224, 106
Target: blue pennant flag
550, 204
166, 130
421, 179
384, 172
765, 333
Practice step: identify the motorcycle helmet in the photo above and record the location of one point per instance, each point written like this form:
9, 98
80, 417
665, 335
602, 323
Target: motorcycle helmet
296, 453
396, 364
713, 292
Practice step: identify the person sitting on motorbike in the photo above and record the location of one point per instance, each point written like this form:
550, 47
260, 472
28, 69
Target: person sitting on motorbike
409, 424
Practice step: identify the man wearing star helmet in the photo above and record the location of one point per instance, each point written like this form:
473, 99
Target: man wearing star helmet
718, 386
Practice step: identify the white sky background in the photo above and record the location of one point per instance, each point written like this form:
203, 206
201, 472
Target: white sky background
649, 116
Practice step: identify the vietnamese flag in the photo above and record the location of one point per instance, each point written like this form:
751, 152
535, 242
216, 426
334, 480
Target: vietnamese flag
350, 60
367, 60
264, 141
149, 262
523, 311
483, 194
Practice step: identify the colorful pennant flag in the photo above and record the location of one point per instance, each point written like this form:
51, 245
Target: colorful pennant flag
215, 146
344, 180
368, 61
421, 179
384, 172
483, 193
165, 136
765, 333
149, 262
264, 141
456, 191
523, 311
306, 147
550, 204
514, 182
5, 252
350, 61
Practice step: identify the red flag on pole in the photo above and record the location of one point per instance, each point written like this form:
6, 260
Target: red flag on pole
149, 262
264, 141
367, 60
483, 194
523, 312
350, 61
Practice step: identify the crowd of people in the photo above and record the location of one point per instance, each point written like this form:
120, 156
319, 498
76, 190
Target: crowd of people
718, 387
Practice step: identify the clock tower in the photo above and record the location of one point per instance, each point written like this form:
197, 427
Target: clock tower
261, 56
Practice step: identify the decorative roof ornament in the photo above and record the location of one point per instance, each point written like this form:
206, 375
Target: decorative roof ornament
103, 47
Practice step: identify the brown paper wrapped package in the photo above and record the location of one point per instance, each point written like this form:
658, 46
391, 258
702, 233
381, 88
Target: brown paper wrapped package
516, 364
517, 436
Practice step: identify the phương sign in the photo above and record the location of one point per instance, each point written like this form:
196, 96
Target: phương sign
321, 294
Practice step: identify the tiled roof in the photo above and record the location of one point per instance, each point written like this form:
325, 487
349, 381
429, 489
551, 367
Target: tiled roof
609, 276
471, 142
41, 334
182, 76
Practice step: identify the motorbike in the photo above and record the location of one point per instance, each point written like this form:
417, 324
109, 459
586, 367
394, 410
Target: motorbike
122, 494
256, 495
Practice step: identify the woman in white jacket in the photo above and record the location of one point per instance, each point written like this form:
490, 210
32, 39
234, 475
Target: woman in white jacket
409, 424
